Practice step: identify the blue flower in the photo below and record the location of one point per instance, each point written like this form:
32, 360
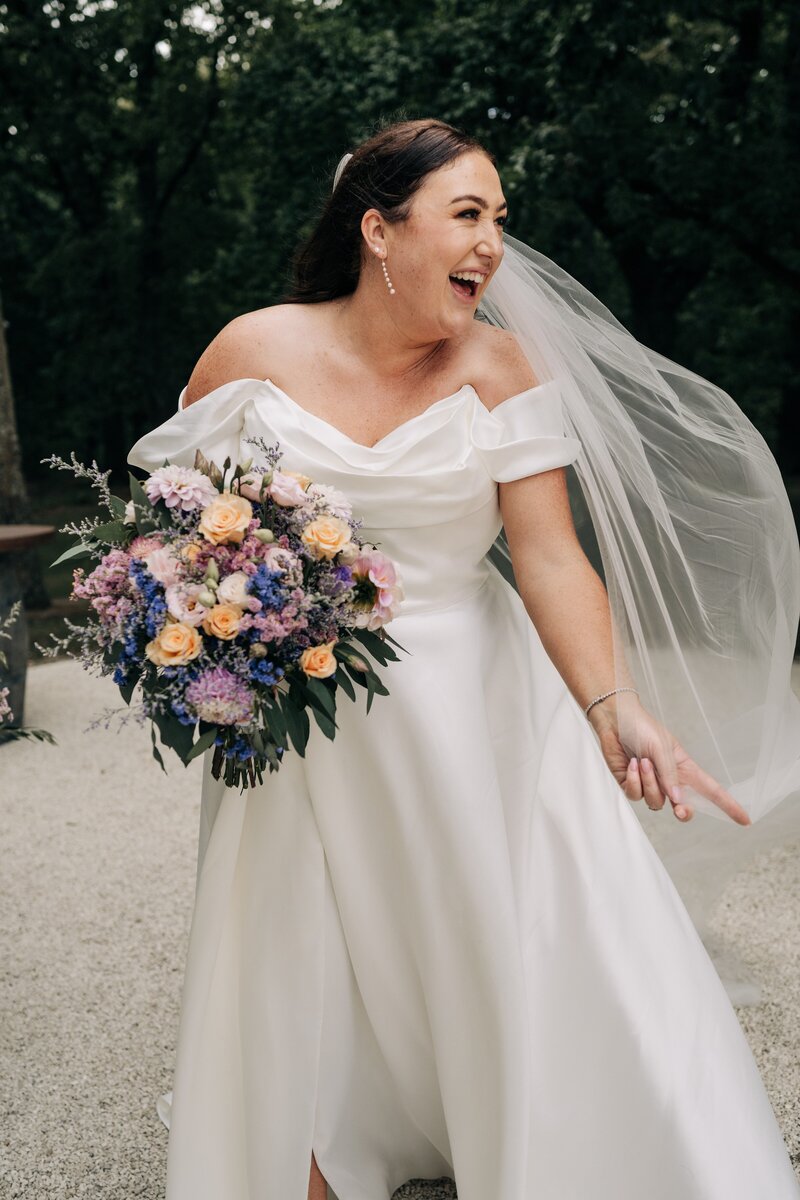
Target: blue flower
264, 671
265, 585
156, 612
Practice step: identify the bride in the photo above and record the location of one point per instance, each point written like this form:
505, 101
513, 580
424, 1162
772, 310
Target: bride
443, 944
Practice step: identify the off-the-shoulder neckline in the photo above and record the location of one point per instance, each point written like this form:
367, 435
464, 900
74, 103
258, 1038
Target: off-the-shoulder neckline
334, 429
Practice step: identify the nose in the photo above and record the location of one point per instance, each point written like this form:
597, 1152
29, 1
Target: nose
491, 240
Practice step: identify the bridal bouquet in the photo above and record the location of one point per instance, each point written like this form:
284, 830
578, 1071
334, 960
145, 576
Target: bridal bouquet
238, 602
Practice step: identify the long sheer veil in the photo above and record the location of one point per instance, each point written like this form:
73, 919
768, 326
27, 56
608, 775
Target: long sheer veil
680, 504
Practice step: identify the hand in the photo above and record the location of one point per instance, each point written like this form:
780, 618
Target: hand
650, 763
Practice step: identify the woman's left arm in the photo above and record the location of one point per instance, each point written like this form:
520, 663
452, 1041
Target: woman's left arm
568, 603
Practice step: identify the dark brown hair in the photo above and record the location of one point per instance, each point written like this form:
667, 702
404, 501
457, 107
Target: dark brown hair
384, 173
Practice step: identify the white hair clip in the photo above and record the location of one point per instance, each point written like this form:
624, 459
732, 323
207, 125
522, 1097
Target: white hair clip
343, 161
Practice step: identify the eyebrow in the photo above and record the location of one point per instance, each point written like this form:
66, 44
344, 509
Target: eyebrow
478, 200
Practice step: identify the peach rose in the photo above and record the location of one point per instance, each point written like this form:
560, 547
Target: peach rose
174, 646
319, 661
190, 551
326, 536
226, 518
222, 621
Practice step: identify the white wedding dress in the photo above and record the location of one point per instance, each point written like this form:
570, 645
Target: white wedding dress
442, 944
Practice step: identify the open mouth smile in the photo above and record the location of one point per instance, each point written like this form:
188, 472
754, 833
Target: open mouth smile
466, 289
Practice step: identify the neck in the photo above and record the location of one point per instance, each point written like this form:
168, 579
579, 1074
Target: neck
371, 327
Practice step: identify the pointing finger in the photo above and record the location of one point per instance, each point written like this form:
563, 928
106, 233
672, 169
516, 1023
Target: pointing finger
706, 785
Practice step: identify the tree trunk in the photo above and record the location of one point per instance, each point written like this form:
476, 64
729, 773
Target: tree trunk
14, 502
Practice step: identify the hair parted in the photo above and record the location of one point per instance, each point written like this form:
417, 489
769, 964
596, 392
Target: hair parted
384, 172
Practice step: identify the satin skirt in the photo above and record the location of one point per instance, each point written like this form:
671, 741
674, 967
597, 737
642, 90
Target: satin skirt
443, 945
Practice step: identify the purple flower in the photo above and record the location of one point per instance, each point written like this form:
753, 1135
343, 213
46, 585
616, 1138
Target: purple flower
180, 487
220, 697
109, 589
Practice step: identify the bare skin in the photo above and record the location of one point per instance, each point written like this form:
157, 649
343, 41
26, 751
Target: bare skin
317, 1186
368, 362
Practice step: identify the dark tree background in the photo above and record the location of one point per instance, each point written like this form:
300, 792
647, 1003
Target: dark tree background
160, 160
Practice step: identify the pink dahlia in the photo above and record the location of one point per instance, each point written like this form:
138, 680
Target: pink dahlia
180, 487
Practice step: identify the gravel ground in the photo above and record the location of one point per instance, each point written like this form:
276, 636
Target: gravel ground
96, 891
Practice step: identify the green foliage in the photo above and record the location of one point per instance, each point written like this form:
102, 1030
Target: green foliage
162, 167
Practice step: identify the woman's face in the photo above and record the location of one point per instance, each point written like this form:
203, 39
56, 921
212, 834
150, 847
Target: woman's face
455, 226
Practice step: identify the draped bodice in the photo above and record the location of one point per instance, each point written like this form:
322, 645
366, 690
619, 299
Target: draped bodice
427, 492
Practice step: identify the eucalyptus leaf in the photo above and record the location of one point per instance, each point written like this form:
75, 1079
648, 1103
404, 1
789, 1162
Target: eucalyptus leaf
394, 642
112, 531
79, 551
358, 677
146, 520
118, 507
375, 645
175, 735
297, 725
344, 683
126, 689
156, 751
324, 697
326, 725
203, 743
276, 722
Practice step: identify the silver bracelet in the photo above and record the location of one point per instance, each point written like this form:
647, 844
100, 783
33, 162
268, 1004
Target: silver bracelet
605, 696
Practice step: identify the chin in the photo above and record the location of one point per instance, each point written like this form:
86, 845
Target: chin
454, 328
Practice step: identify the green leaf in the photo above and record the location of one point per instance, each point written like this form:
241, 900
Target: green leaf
394, 642
297, 725
79, 551
359, 677
156, 751
118, 506
126, 689
175, 735
145, 518
202, 744
276, 721
163, 516
376, 646
344, 683
327, 726
112, 531
323, 696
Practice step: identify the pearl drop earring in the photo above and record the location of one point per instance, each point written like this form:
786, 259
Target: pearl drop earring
386, 274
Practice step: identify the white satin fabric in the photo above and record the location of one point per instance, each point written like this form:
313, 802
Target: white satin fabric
443, 944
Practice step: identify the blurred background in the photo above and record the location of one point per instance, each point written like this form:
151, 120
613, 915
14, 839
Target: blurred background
159, 161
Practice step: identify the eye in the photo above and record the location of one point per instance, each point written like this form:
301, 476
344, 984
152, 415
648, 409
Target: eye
501, 221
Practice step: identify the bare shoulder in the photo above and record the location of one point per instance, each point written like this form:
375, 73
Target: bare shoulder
501, 366
245, 348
